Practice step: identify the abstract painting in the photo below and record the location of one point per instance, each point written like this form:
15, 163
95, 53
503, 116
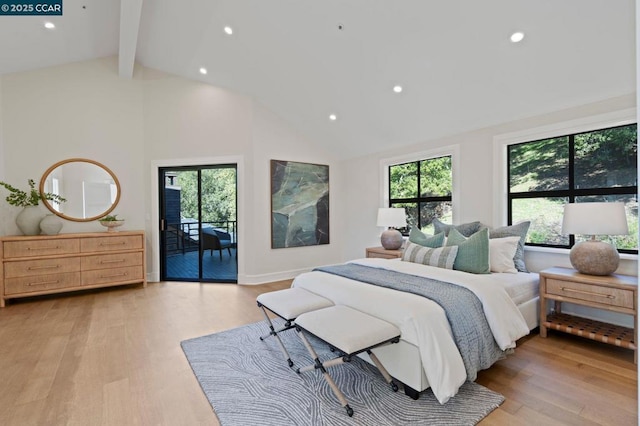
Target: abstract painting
299, 204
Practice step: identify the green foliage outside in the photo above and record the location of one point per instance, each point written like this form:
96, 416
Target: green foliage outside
435, 181
546, 214
603, 159
218, 194
606, 158
540, 166
403, 180
435, 178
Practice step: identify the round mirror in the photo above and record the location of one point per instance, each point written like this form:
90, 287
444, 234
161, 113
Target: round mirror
90, 188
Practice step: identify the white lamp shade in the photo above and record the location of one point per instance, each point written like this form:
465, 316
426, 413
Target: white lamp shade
595, 219
392, 217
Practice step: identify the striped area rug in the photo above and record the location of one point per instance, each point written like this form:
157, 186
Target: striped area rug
248, 382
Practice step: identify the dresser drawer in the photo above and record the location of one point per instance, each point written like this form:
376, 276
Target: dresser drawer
41, 283
108, 261
591, 293
114, 275
37, 248
98, 244
29, 268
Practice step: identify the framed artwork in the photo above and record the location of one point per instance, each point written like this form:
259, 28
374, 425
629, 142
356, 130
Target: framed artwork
299, 204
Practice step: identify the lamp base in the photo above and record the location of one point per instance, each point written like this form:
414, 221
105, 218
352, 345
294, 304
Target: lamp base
594, 258
391, 239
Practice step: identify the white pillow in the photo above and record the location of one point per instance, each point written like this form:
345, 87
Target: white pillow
501, 252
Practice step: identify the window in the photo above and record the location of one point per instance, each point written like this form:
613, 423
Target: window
423, 188
546, 174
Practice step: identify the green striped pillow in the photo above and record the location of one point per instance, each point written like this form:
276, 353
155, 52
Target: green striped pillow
442, 257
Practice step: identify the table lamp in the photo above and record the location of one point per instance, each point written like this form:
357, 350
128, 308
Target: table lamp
594, 257
391, 218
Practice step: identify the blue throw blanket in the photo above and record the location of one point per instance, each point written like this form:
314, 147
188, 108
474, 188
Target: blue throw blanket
470, 328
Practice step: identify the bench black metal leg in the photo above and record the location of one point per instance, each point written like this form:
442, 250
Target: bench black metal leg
274, 333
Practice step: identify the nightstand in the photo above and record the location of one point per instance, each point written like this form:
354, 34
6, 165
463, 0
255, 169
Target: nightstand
383, 253
615, 293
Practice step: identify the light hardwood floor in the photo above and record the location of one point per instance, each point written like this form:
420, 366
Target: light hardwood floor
113, 357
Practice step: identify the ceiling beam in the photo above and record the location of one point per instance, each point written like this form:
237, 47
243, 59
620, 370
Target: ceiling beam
130, 12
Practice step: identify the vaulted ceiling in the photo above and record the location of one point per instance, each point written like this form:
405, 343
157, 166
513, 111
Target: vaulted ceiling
307, 59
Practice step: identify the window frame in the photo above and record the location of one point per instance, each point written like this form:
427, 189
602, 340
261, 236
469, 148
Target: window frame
502, 198
452, 151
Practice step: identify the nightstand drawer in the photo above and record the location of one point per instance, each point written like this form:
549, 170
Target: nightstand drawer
382, 253
591, 293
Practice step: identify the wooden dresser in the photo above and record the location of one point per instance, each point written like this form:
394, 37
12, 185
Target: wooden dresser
46, 264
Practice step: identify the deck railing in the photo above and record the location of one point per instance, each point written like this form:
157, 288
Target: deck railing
184, 237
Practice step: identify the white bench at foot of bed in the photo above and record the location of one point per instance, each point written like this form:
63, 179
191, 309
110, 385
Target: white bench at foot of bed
349, 331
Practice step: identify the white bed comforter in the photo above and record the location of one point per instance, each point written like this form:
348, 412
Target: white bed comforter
421, 321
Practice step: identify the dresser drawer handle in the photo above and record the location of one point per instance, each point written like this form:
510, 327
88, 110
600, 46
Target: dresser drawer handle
44, 248
121, 243
111, 261
35, 268
44, 283
590, 293
124, 274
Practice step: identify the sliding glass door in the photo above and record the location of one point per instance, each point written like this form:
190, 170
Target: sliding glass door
198, 223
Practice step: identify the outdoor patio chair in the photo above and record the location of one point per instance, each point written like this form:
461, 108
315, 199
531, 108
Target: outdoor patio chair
213, 239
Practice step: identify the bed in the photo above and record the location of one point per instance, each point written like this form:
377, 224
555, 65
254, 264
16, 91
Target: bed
427, 355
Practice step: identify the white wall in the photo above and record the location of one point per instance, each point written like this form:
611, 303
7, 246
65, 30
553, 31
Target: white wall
4, 207
273, 140
133, 126
188, 122
78, 110
475, 182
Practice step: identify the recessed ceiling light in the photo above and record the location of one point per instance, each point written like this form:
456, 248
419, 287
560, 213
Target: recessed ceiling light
333, 117
228, 30
517, 37
49, 25
203, 71
397, 89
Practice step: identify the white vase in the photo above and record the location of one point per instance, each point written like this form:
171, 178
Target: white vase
28, 220
50, 225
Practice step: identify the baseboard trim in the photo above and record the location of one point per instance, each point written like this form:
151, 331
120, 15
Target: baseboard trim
250, 279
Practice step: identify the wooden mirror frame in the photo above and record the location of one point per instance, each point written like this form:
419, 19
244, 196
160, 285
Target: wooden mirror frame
79, 160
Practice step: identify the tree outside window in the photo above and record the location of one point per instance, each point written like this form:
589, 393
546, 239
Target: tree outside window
423, 189
592, 166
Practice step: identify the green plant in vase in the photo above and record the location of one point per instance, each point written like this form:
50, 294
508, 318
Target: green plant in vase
20, 198
111, 222
28, 220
